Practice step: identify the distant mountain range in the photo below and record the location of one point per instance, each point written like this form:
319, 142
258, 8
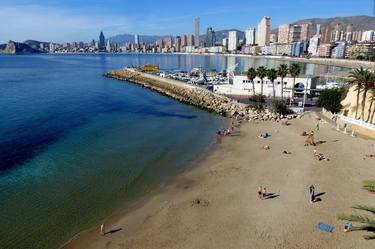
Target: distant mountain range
359, 23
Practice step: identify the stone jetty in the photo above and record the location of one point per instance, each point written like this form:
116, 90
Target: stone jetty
193, 95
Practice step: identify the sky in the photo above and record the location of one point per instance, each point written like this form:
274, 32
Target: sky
82, 20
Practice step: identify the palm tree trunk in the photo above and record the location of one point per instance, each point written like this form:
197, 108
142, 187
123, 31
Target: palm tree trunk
369, 111
282, 89
372, 116
294, 83
273, 88
253, 87
357, 105
261, 86
363, 104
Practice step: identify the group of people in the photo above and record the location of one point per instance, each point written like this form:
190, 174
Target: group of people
224, 132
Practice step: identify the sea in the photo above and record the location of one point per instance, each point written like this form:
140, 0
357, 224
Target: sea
76, 147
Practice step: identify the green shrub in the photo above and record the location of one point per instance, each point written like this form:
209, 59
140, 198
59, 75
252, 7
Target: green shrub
330, 99
258, 107
258, 98
279, 107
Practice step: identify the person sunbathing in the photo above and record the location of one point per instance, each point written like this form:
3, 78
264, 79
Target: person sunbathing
266, 147
320, 156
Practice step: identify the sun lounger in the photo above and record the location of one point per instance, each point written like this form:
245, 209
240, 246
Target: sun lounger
325, 227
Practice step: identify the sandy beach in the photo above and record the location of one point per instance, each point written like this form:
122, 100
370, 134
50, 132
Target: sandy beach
215, 203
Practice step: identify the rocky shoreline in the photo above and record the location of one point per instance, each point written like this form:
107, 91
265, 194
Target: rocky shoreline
195, 96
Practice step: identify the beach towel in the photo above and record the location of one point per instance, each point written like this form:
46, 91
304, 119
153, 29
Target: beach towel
325, 227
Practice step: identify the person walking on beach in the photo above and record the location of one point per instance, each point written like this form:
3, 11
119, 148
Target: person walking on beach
102, 229
260, 192
312, 193
264, 193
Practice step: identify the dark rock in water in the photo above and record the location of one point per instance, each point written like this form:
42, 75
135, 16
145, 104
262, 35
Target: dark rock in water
17, 48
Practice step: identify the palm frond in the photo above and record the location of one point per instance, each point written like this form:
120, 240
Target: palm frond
365, 208
369, 237
357, 218
369, 186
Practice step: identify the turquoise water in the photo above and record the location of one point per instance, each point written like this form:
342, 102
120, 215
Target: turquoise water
74, 145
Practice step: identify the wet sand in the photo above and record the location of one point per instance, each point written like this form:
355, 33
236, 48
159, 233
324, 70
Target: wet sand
215, 204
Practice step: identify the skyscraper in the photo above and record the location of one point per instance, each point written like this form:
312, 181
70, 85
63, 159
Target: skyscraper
318, 30
177, 43
101, 43
232, 41
349, 33
326, 34
190, 40
197, 31
263, 32
305, 31
210, 37
337, 32
284, 31
136, 39
295, 33
168, 42
250, 36
183, 41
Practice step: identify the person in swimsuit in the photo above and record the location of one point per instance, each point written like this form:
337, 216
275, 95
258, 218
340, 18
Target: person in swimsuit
260, 192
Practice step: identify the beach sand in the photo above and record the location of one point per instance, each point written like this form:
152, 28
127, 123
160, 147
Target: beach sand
215, 204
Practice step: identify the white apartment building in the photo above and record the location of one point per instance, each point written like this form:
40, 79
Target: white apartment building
232, 41
314, 45
240, 85
250, 36
368, 35
263, 32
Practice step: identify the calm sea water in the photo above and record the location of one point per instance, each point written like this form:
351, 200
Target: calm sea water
74, 145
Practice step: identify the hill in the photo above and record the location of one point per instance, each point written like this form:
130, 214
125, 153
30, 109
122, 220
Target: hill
17, 48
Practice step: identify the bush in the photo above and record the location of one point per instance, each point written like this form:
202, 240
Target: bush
330, 99
279, 107
258, 107
258, 98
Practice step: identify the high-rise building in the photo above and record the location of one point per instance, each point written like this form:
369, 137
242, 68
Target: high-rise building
273, 38
295, 33
305, 31
250, 36
368, 36
168, 42
101, 43
318, 30
349, 33
136, 39
210, 37
264, 31
197, 31
177, 44
183, 41
190, 40
337, 32
225, 43
313, 46
284, 31
232, 41
326, 35
108, 46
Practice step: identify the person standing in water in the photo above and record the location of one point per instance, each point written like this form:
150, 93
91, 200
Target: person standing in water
102, 229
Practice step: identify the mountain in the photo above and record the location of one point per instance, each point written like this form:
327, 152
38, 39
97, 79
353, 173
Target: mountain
128, 38
17, 48
359, 23
37, 45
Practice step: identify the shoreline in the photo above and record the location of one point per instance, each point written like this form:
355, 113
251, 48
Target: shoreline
213, 203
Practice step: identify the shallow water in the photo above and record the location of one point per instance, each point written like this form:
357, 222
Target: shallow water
74, 145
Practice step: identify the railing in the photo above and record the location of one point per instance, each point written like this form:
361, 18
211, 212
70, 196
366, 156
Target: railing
360, 123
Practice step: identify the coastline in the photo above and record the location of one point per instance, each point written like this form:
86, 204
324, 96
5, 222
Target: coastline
214, 204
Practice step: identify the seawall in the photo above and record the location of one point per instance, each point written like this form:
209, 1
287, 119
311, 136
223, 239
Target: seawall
185, 93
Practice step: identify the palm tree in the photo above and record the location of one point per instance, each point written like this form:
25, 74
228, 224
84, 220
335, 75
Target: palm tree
367, 223
294, 71
251, 75
261, 73
372, 100
368, 83
282, 72
272, 76
357, 78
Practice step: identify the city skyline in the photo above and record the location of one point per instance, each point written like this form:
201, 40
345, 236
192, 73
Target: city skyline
83, 19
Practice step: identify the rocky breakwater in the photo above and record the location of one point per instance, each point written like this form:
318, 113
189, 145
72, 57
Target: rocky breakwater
185, 93
196, 96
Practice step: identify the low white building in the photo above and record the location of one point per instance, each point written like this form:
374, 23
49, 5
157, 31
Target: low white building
240, 85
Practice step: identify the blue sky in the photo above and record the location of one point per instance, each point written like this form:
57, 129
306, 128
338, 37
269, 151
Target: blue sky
76, 20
